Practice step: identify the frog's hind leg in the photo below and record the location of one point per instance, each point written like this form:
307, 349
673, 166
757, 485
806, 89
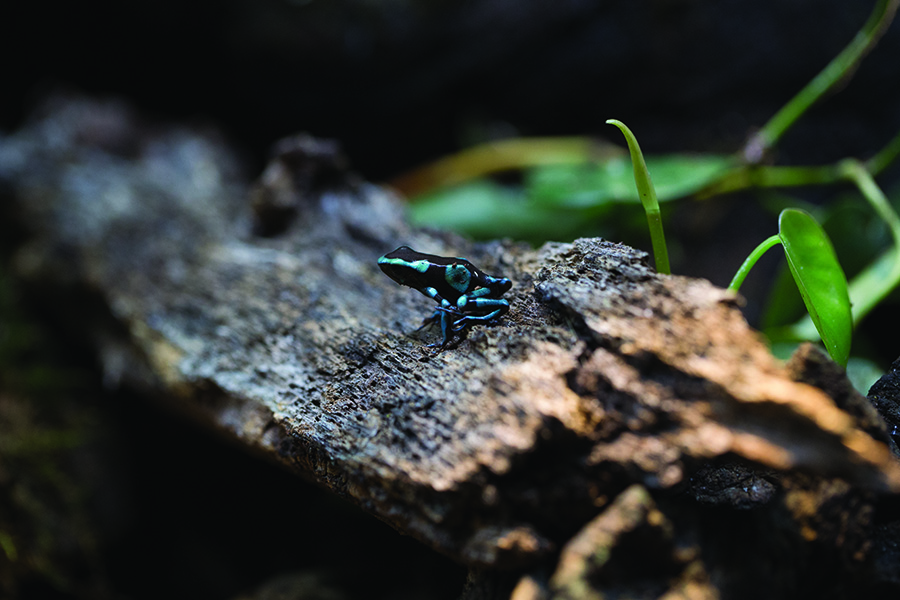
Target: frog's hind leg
502, 307
464, 322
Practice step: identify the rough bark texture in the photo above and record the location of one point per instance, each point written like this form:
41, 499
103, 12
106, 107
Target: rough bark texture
885, 396
611, 423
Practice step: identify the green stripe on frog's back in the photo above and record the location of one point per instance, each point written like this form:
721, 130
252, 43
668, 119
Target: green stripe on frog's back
419, 265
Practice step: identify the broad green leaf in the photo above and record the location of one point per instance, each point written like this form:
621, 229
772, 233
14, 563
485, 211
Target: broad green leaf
819, 278
485, 210
612, 180
558, 201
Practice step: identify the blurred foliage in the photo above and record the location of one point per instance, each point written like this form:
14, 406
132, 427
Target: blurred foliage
561, 201
47, 539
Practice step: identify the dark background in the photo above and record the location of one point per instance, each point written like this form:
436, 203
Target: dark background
175, 513
400, 82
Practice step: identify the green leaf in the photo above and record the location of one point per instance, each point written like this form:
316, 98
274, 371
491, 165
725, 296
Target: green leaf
649, 200
594, 184
560, 201
819, 278
486, 210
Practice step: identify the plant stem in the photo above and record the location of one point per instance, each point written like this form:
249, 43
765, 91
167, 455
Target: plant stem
755, 176
885, 156
867, 289
839, 68
751, 260
857, 173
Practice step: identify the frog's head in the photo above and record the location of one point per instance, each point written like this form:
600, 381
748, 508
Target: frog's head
404, 265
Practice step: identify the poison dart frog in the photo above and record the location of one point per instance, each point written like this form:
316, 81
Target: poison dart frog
464, 294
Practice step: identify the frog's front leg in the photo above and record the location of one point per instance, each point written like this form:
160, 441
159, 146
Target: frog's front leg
446, 317
446, 312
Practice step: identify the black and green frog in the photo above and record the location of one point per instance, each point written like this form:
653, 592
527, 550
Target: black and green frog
465, 295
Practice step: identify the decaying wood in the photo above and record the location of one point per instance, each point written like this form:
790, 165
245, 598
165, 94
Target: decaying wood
599, 418
885, 396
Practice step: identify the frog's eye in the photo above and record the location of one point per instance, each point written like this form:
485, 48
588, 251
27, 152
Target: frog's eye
458, 277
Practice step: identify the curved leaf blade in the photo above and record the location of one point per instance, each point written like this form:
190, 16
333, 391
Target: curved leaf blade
820, 279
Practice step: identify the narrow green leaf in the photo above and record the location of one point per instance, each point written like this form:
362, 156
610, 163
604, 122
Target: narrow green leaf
647, 194
874, 283
819, 278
